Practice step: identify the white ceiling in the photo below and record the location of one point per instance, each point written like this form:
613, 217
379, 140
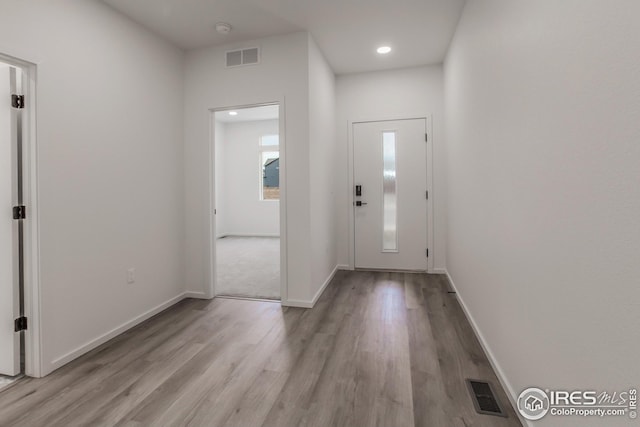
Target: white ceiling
267, 112
347, 31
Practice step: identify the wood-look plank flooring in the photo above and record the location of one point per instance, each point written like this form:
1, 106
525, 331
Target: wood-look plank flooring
379, 349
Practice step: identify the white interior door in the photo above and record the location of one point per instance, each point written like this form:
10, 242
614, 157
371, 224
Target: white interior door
9, 299
390, 168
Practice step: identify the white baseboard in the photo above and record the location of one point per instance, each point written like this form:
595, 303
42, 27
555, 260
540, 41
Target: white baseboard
316, 297
438, 271
196, 295
506, 385
85, 348
247, 235
297, 303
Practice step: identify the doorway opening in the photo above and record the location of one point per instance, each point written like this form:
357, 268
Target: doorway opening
12, 339
247, 175
19, 241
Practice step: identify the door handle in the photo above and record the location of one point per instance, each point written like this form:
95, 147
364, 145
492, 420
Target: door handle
359, 203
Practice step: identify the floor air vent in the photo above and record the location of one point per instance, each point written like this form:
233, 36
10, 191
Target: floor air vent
484, 399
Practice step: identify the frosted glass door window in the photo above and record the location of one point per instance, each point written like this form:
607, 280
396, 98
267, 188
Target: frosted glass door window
389, 193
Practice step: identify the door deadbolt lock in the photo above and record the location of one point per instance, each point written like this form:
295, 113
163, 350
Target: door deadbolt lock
358, 190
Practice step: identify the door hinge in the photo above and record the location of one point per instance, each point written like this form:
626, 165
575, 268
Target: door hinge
427, 253
17, 101
427, 195
19, 212
21, 324
426, 137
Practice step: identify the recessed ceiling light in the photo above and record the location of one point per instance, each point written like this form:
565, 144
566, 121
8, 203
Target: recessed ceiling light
233, 113
383, 50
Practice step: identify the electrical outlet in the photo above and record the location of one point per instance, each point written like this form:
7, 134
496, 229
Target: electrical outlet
131, 275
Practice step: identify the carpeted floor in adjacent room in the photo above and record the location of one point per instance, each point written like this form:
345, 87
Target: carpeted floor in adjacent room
6, 381
248, 267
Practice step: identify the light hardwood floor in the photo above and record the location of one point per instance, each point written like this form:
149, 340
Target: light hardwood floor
379, 349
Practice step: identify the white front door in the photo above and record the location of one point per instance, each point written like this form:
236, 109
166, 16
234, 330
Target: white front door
9, 308
390, 200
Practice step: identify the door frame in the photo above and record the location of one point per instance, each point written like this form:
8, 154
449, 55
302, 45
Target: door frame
211, 290
31, 237
350, 182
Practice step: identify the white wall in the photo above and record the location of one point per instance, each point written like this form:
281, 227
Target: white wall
322, 166
110, 174
220, 187
291, 70
281, 74
543, 239
392, 94
239, 176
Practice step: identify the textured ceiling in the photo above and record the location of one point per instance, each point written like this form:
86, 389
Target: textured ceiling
347, 31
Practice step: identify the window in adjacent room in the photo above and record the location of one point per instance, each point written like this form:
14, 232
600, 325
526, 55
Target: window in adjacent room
269, 167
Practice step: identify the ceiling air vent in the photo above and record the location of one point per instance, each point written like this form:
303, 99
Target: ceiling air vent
249, 56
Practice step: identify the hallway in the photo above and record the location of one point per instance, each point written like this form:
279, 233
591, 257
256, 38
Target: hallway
388, 349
